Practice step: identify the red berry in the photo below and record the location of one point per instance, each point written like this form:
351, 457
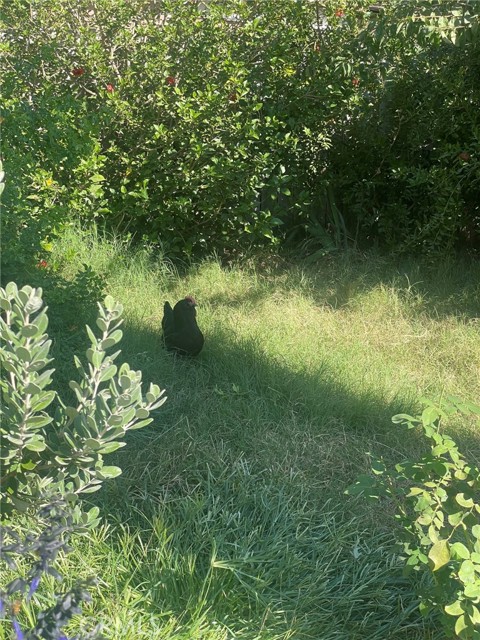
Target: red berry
170, 80
42, 264
464, 156
110, 88
339, 13
355, 82
78, 71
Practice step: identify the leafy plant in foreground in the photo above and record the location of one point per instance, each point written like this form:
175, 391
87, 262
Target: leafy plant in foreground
40, 550
44, 442
438, 506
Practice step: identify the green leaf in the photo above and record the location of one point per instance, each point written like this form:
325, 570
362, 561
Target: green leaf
91, 335
455, 518
141, 413
474, 614
41, 322
108, 373
378, 467
439, 555
472, 590
11, 290
102, 325
125, 382
454, 609
5, 304
29, 466
415, 491
430, 415
23, 354
476, 531
109, 303
29, 331
106, 473
92, 489
20, 505
93, 444
110, 447
44, 400
463, 501
92, 514
32, 389
459, 550
112, 339
466, 573
38, 421
36, 445
401, 418
141, 424
460, 626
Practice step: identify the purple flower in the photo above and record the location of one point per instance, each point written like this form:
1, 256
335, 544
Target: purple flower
18, 631
33, 587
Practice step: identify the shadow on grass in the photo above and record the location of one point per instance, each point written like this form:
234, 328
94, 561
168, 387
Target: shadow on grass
437, 290
305, 428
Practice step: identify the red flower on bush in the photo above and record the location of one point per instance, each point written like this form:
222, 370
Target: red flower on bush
464, 156
355, 82
110, 88
78, 71
339, 13
170, 80
42, 264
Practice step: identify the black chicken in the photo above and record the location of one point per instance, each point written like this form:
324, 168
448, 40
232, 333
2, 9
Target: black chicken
180, 329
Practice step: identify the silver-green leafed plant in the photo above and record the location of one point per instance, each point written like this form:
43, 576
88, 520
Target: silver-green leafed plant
46, 444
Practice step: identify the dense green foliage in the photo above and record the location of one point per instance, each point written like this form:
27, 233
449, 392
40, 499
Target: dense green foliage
437, 504
203, 126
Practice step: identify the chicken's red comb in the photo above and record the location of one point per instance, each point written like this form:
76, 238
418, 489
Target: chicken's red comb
190, 300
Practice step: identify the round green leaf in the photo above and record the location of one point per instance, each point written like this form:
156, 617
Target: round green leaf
466, 572
476, 531
106, 473
23, 354
5, 304
439, 555
459, 550
36, 445
454, 609
29, 331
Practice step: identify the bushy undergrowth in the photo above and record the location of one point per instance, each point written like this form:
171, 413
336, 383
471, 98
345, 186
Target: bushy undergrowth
215, 125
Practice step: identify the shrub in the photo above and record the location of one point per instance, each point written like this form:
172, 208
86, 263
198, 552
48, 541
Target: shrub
46, 444
52, 453
438, 508
203, 126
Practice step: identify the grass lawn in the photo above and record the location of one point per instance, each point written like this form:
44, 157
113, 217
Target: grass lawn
229, 520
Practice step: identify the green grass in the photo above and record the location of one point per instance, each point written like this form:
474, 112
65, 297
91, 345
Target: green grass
229, 520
